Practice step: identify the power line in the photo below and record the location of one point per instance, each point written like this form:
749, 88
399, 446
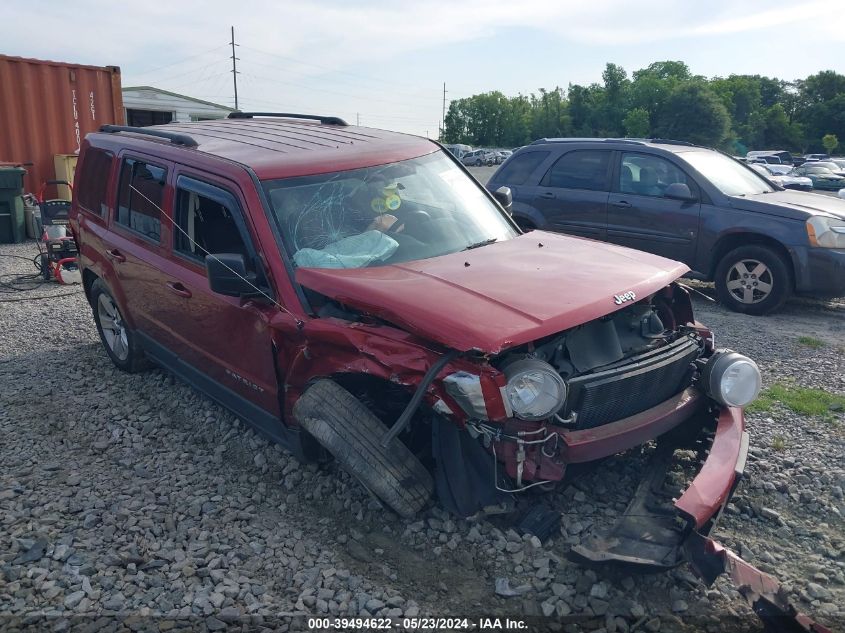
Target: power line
181, 61
334, 92
379, 80
276, 67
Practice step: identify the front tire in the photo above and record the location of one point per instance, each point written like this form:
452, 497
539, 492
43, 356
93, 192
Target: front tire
345, 427
118, 339
753, 280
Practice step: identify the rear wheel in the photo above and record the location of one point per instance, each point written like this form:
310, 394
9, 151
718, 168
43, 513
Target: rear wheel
753, 280
119, 341
345, 427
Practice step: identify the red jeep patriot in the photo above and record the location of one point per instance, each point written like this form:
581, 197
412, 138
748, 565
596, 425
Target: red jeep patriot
355, 293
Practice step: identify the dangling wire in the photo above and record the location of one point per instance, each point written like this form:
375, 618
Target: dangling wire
299, 322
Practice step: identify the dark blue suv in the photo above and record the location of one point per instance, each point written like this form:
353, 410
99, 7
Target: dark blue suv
757, 241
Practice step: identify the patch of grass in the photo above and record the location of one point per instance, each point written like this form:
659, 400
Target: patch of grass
811, 342
778, 443
803, 400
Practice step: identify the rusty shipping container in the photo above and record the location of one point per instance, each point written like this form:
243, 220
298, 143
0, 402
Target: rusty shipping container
47, 108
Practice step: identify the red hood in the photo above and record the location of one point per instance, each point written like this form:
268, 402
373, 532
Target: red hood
498, 296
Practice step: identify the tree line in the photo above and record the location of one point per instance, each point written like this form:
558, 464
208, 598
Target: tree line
665, 100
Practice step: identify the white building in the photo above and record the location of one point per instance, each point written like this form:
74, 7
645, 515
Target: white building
145, 105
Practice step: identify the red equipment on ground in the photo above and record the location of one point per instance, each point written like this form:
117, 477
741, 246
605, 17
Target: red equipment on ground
57, 248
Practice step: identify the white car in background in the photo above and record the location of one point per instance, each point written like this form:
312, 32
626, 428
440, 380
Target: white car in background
478, 157
785, 180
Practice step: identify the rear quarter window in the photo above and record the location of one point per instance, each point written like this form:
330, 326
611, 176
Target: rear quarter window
517, 170
93, 180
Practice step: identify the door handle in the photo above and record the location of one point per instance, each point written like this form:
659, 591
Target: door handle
116, 255
622, 204
178, 289
547, 195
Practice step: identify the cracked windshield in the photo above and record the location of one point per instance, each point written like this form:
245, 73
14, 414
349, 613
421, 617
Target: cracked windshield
413, 209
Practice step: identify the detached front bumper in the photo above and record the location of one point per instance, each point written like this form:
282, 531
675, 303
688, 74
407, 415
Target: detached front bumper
652, 532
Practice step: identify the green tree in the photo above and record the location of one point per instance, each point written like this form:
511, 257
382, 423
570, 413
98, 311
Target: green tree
693, 113
830, 142
637, 124
778, 132
616, 86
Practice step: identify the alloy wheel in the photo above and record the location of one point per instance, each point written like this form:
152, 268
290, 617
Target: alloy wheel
114, 330
749, 281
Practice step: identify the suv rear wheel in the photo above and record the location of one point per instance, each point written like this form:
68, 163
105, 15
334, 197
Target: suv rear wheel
345, 427
119, 341
753, 280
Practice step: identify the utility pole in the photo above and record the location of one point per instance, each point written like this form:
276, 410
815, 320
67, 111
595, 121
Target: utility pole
443, 119
234, 68
357, 118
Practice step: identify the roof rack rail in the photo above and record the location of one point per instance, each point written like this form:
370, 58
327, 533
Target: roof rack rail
633, 141
573, 139
668, 141
325, 120
173, 137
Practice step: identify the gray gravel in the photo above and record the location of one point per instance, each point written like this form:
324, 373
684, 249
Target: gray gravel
134, 496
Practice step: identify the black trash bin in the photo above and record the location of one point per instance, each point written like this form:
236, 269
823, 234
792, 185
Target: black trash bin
12, 222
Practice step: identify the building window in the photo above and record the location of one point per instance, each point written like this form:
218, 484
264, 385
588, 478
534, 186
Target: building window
143, 118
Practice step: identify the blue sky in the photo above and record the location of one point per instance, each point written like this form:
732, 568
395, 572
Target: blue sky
385, 62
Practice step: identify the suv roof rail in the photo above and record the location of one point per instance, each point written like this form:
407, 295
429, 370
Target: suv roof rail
173, 137
325, 120
668, 141
632, 141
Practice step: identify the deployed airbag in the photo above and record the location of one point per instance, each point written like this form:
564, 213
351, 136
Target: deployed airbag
355, 251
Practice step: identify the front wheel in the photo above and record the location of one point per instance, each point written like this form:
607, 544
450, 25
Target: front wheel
753, 280
345, 427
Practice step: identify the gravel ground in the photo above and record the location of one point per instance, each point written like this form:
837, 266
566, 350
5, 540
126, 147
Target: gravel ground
124, 497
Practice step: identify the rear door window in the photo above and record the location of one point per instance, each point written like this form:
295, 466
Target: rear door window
140, 196
93, 179
580, 169
517, 170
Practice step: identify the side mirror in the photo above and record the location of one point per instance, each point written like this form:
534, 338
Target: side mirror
505, 198
679, 191
228, 275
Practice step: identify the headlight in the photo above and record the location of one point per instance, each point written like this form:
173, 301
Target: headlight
731, 378
826, 232
534, 390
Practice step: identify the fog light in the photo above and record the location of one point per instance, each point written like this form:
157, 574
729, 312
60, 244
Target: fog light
731, 379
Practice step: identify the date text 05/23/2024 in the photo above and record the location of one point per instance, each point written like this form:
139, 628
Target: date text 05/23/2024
417, 624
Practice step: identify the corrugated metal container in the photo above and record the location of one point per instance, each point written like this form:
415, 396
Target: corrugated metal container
47, 108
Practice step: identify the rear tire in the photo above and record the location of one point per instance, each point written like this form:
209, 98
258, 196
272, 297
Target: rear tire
118, 339
349, 431
753, 280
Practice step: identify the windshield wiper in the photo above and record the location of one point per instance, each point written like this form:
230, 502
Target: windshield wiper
480, 244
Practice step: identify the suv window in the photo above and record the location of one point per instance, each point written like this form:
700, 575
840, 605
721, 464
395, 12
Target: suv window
205, 220
93, 180
646, 175
140, 196
579, 169
518, 168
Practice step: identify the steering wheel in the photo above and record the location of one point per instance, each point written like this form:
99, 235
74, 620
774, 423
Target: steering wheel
419, 214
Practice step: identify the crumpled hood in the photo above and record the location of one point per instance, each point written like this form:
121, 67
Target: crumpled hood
505, 294
798, 205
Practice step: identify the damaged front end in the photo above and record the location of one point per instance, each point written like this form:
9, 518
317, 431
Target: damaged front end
644, 373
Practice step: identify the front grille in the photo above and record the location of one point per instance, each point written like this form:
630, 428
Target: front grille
633, 385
